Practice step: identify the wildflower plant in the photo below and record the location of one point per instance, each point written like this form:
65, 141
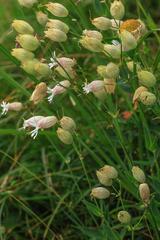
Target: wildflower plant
81, 102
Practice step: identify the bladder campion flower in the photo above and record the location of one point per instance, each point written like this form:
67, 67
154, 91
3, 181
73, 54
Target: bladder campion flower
102, 23
14, 106
138, 174
124, 217
27, 3
100, 193
117, 9
57, 9
65, 136
22, 27
39, 93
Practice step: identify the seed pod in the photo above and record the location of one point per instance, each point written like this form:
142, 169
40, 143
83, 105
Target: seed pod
57, 9
131, 64
102, 23
42, 69
117, 10
138, 174
92, 44
109, 171
100, 193
39, 93
146, 78
147, 98
47, 122
110, 85
28, 42
68, 124
128, 41
94, 86
138, 93
27, 3
29, 66
113, 50
144, 192
124, 217
57, 24
112, 70
65, 136
103, 178
56, 35
42, 18
22, 54
93, 34
22, 27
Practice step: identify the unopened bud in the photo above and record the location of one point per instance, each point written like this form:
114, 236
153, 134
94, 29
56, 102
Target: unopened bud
144, 192
39, 93
131, 66
124, 217
94, 86
100, 193
138, 93
57, 9
42, 69
110, 85
113, 51
109, 171
138, 174
112, 70
146, 78
66, 62
22, 27
93, 34
29, 66
65, 136
128, 41
117, 9
68, 124
103, 178
147, 98
101, 94
92, 44
68, 72
56, 35
57, 24
42, 18
102, 23
101, 70
28, 42
27, 3
22, 54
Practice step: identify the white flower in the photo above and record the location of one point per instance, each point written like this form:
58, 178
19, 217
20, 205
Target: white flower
94, 86
53, 62
14, 106
5, 108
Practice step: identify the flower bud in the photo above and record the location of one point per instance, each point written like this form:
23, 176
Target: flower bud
124, 217
113, 50
138, 93
42, 69
101, 70
128, 41
115, 24
146, 78
109, 171
102, 23
65, 136
117, 9
110, 85
147, 98
27, 3
56, 35
57, 24
94, 86
28, 42
67, 72
22, 27
138, 174
100, 193
22, 54
101, 94
68, 124
39, 93
112, 70
29, 66
103, 178
66, 62
42, 18
92, 44
135, 26
93, 34
144, 192
47, 122
131, 64
57, 9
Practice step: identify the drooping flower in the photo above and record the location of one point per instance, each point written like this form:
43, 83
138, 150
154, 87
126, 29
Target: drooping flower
94, 86
14, 106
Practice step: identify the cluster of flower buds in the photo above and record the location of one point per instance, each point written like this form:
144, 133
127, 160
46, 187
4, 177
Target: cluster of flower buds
105, 176
144, 190
64, 132
24, 54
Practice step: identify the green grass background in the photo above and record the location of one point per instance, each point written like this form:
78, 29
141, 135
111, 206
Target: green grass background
45, 185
